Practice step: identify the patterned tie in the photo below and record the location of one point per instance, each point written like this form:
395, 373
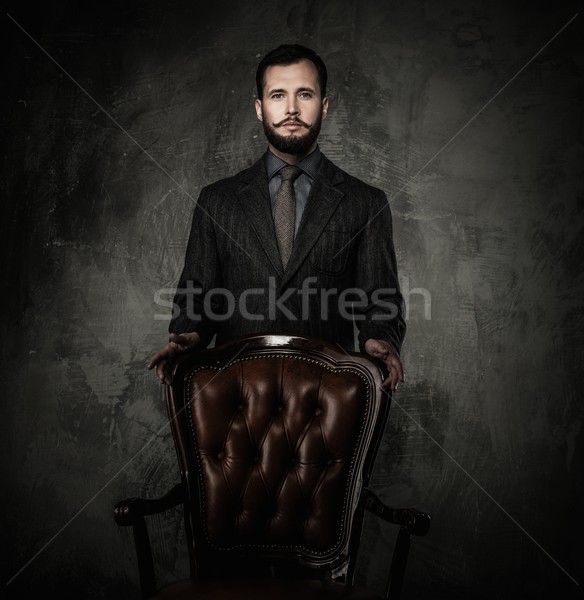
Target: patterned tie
285, 212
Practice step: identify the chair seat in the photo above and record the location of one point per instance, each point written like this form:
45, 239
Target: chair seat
263, 589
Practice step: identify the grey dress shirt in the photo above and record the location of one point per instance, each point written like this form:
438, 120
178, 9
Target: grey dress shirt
309, 165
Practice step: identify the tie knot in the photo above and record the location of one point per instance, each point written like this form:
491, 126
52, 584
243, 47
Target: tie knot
290, 173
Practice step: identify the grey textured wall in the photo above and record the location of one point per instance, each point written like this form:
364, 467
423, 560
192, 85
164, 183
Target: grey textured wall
458, 110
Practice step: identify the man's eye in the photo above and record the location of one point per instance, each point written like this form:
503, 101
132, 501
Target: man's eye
306, 95
277, 96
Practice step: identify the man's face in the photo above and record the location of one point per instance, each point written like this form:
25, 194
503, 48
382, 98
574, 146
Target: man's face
292, 108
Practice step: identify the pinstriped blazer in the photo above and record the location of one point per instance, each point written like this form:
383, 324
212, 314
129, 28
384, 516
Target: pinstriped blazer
342, 272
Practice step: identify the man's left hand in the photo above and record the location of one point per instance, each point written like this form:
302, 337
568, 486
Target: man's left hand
386, 352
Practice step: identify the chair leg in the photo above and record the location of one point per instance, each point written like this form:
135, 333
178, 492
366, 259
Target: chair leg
145, 562
398, 565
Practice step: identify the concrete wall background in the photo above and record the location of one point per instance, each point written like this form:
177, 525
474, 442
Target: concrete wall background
486, 433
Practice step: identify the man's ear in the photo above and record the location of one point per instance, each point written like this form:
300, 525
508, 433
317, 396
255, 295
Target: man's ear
324, 108
258, 107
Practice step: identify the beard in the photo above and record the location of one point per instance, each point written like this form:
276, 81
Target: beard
293, 144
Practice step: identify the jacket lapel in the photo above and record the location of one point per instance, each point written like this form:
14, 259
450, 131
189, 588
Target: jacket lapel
322, 202
255, 202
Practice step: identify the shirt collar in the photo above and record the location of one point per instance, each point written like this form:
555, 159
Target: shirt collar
309, 164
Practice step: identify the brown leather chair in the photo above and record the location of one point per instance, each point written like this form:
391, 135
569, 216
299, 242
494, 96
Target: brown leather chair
276, 437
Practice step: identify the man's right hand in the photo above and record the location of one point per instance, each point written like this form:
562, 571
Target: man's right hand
178, 343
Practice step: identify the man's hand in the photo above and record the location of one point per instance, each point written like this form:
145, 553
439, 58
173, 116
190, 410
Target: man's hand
385, 351
178, 343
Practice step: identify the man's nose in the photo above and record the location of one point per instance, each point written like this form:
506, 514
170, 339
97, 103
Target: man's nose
292, 108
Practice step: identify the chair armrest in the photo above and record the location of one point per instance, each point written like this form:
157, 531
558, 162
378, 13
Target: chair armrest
414, 521
411, 522
131, 512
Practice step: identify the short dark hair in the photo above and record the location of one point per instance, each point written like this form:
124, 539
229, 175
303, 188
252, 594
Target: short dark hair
289, 54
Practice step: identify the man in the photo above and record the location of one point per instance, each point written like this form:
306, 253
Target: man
293, 244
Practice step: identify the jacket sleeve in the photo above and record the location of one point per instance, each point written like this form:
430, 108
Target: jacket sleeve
201, 273
383, 314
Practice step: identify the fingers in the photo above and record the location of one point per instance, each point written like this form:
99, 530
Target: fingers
391, 382
160, 371
163, 354
186, 341
396, 366
178, 342
163, 372
156, 359
384, 350
396, 371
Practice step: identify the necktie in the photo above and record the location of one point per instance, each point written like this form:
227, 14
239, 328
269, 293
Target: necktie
285, 212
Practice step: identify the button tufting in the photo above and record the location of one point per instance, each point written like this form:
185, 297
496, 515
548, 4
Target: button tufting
220, 455
318, 412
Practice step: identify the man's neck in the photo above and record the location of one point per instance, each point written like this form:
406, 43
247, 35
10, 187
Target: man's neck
291, 159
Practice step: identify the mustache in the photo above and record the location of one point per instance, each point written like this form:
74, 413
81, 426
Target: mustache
294, 120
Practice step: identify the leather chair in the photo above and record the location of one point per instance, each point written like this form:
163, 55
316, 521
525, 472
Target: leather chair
276, 437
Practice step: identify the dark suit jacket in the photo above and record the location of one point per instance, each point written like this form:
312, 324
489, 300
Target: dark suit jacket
233, 277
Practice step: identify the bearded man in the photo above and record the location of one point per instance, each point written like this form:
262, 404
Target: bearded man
293, 244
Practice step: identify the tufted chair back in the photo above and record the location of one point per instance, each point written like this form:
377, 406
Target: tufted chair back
275, 437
